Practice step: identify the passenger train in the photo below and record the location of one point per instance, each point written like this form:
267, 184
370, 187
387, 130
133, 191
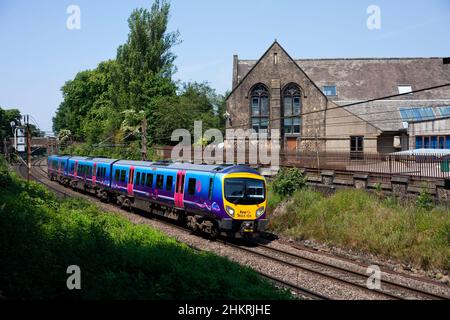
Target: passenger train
216, 200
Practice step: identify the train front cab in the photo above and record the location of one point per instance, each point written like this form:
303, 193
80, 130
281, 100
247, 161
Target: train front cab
245, 202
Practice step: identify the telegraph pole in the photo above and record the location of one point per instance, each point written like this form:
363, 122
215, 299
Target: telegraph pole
28, 148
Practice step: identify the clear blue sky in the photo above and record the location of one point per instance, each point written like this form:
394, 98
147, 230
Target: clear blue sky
38, 53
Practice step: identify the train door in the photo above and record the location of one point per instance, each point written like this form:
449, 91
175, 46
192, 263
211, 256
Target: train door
94, 174
59, 167
75, 172
179, 189
130, 181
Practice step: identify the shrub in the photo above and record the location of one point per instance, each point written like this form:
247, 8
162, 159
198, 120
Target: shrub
424, 200
288, 181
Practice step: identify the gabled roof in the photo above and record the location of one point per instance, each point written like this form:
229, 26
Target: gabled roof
251, 66
360, 79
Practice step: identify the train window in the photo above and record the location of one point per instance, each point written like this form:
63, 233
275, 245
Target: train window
123, 174
99, 172
169, 183
159, 181
210, 190
149, 182
191, 186
138, 179
116, 176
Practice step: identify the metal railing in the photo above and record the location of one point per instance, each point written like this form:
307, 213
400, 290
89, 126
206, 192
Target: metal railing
427, 166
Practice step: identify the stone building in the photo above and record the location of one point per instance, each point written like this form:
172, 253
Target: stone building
322, 104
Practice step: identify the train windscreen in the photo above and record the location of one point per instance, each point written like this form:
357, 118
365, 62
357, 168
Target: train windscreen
245, 191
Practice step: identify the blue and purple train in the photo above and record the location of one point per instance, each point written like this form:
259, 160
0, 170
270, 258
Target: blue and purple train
216, 200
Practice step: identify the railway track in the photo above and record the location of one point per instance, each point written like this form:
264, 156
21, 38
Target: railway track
351, 278
358, 279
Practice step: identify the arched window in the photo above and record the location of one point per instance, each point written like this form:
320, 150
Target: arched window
292, 106
260, 108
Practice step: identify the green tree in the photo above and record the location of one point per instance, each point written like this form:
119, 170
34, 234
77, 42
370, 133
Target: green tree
145, 61
195, 102
88, 103
6, 117
110, 102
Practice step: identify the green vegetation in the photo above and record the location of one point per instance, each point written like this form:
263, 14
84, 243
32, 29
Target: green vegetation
103, 109
288, 181
41, 236
413, 232
10, 115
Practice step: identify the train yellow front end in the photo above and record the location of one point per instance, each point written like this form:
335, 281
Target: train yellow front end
245, 201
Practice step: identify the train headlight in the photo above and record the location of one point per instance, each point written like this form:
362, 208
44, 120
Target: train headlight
230, 211
260, 212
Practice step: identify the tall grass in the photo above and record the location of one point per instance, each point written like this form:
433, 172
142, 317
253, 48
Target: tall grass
41, 236
356, 219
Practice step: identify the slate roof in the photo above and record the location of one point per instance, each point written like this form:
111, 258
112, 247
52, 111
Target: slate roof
368, 78
361, 79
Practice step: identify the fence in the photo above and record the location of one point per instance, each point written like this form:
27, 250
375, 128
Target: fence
427, 166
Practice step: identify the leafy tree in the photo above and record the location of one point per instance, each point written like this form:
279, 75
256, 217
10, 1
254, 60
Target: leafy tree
3, 129
10, 115
6, 117
110, 102
87, 101
145, 61
195, 102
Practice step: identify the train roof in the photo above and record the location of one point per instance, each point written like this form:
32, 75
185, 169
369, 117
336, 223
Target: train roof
59, 157
189, 166
226, 169
80, 158
104, 160
134, 163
